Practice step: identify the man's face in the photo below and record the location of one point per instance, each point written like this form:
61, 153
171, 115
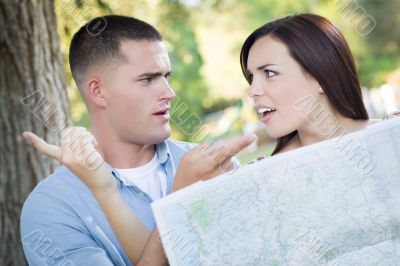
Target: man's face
138, 94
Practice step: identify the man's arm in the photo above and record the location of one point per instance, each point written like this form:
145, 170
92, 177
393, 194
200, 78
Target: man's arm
203, 162
141, 246
77, 146
52, 234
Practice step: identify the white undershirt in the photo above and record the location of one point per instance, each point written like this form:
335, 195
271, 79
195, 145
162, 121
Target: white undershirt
147, 177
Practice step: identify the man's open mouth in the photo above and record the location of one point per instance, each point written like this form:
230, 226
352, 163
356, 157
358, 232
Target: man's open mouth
163, 111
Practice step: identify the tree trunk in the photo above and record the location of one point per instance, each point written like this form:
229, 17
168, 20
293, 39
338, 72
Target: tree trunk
33, 97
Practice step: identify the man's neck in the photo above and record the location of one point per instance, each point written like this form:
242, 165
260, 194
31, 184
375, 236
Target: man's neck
120, 154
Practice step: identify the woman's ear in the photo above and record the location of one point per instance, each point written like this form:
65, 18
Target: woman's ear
95, 93
320, 89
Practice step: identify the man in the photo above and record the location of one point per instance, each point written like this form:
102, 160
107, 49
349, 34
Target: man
122, 74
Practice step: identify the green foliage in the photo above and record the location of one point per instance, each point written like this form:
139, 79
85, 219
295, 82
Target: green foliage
383, 52
187, 81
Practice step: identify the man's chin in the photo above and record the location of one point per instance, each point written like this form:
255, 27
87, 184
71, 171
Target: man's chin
162, 135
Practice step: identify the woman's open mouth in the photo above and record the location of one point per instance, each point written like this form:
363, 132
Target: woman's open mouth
266, 113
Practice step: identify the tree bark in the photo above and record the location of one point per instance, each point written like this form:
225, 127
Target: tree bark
33, 97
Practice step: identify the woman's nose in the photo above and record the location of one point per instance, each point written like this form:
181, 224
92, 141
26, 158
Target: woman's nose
255, 89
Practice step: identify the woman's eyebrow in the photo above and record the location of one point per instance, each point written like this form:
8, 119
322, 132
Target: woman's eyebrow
264, 66
260, 67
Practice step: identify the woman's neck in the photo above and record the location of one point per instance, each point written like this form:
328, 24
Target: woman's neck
310, 134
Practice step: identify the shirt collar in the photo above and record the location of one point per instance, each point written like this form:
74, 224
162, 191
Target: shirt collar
163, 154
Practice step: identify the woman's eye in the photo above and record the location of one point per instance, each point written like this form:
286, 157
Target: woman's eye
250, 78
270, 73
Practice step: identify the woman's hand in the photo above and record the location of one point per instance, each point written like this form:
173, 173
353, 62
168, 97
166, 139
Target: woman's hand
79, 153
209, 160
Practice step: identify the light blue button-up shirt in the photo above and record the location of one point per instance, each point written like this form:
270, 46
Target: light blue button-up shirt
62, 223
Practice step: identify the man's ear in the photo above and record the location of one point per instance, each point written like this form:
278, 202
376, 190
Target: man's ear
95, 93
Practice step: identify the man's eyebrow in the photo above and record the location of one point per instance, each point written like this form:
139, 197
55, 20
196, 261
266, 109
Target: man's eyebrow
154, 74
151, 74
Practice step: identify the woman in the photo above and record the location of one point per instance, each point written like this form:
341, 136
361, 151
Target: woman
290, 59
290, 64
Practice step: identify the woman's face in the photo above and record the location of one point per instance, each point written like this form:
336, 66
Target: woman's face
278, 83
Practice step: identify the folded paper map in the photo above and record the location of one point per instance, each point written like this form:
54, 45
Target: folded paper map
336, 202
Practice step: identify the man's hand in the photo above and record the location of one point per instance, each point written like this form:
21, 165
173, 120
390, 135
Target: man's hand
209, 160
79, 153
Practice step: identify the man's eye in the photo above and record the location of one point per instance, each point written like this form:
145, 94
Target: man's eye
270, 73
146, 80
168, 76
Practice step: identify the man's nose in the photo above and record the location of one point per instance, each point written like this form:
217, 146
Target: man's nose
168, 92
